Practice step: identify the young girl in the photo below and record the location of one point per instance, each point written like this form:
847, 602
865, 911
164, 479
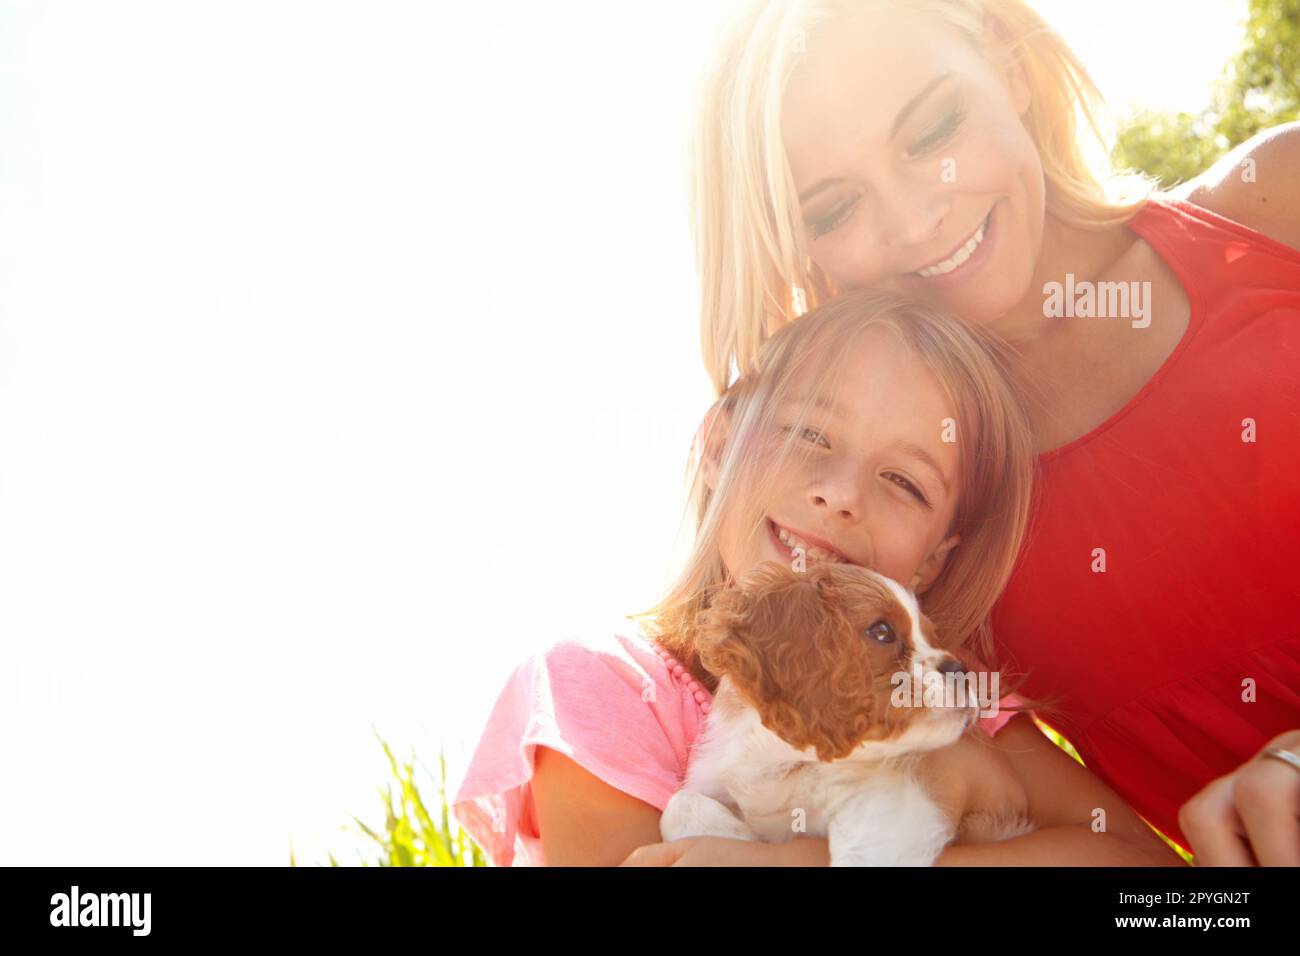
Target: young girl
937, 147
873, 428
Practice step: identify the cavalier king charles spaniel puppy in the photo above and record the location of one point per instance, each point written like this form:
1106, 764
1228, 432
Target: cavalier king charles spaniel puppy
804, 736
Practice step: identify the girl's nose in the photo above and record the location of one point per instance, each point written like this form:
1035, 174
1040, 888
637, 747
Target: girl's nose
842, 500
841, 492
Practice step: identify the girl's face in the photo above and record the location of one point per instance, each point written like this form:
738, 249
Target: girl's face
903, 141
878, 486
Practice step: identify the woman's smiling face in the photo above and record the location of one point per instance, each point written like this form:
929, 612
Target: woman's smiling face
909, 157
878, 485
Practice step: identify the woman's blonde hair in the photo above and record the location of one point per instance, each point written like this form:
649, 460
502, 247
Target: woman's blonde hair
754, 274
996, 460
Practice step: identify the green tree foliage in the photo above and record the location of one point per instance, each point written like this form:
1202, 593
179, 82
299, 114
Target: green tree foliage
1259, 88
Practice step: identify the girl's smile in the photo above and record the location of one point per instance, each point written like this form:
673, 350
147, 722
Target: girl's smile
815, 549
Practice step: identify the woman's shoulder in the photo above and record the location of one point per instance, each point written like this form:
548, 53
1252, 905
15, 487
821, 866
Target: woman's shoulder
1255, 185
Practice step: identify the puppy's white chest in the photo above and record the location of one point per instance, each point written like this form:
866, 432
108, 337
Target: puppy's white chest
787, 804
745, 783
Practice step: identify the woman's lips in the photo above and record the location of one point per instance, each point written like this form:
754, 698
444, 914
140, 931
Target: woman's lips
972, 264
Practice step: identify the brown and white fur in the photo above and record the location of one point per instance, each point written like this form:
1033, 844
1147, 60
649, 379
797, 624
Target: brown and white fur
802, 738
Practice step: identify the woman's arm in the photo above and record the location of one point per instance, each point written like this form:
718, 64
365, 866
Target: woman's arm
1063, 795
1063, 798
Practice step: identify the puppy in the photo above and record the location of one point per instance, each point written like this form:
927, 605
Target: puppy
804, 736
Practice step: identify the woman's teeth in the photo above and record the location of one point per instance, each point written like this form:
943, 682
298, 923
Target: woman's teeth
811, 552
958, 257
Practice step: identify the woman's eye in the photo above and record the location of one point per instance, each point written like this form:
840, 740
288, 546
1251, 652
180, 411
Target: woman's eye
882, 632
936, 136
909, 487
832, 219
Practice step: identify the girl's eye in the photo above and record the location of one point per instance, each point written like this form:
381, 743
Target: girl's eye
942, 131
809, 431
832, 219
908, 487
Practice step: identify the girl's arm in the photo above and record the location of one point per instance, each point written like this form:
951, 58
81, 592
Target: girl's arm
1063, 798
583, 821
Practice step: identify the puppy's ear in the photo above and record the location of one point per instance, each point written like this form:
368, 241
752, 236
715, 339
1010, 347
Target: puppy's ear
737, 629
720, 636
765, 577
825, 577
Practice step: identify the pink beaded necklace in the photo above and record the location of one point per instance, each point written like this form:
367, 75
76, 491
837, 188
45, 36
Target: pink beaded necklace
675, 667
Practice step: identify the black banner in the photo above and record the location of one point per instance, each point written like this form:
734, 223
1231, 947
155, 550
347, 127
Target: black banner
363, 905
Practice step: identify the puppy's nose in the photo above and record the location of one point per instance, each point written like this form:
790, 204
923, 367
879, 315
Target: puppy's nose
950, 665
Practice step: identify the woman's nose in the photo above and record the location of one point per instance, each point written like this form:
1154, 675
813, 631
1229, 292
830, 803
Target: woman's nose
911, 220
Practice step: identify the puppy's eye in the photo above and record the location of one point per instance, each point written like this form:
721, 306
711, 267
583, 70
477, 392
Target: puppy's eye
882, 632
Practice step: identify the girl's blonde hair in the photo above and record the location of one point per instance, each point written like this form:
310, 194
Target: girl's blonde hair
754, 274
996, 460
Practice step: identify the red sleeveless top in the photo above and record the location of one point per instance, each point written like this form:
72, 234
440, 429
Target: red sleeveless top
1181, 659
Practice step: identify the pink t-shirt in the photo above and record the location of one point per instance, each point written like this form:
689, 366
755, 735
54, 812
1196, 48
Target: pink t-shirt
612, 706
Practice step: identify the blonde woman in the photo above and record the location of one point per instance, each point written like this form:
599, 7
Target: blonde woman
943, 148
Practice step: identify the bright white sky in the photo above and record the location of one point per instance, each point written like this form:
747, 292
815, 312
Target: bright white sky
348, 352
